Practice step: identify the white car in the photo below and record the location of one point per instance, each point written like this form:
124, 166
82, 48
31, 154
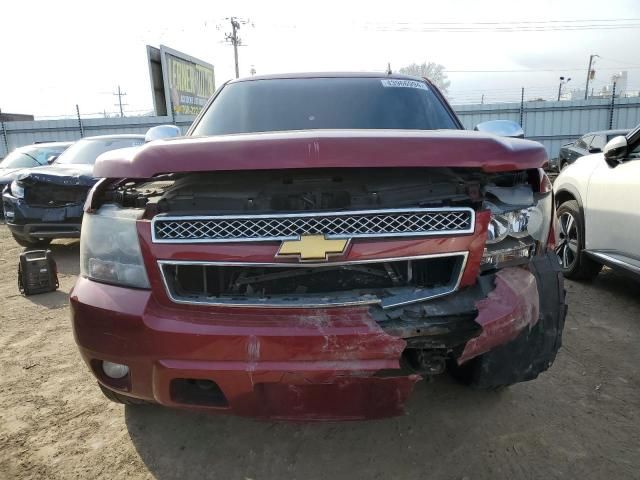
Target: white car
598, 208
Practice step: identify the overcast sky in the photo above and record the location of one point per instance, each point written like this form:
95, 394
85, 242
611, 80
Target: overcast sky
55, 54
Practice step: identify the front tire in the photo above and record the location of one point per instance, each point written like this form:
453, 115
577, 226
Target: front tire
570, 249
31, 242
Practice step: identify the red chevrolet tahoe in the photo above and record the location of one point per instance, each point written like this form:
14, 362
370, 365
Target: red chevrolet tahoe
315, 246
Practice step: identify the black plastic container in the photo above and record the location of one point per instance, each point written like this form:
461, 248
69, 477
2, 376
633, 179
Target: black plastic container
37, 272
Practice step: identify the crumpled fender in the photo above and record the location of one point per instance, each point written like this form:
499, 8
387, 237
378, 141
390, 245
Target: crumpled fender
512, 306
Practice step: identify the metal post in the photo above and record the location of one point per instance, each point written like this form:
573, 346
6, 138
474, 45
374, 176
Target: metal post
613, 106
586, 88
4, 138
79, 121
522, 108
559, 90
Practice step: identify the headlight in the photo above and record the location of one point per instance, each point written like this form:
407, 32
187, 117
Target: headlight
533, 221
512, 224
512, 236
109, 247
17, 190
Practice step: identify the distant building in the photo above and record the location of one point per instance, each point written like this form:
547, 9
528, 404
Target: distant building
15, 117
621, 81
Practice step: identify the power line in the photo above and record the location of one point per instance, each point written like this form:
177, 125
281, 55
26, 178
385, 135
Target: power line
525, 21
504, 26
514, 29
508, 26
608, 59
534, 70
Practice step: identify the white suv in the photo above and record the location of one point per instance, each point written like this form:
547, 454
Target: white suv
598, 200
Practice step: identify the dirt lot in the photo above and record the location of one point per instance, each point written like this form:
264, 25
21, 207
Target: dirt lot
580, 420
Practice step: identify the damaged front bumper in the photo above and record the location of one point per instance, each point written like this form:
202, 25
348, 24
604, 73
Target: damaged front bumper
333, 363
32, 222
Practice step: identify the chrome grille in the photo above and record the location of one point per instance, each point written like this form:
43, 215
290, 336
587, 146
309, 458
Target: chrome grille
353, 224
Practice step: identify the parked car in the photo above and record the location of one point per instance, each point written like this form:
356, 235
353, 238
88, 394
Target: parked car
45, 202
29, 156
587, 144
312, 248
597, 199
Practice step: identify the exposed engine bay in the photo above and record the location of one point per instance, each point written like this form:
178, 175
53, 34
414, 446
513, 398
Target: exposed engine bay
317, 190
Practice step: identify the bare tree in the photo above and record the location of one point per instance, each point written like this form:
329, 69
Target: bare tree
433, 71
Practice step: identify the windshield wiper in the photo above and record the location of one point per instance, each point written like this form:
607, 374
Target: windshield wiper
35, 160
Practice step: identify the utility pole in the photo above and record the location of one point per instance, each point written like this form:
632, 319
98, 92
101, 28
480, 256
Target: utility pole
234, 39
120, 94
586, 88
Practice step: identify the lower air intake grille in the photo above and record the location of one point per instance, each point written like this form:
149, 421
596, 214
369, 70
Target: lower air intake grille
386, 282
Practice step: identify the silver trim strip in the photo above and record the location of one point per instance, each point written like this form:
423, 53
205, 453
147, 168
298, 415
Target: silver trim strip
615, 261
315, 301
346, 213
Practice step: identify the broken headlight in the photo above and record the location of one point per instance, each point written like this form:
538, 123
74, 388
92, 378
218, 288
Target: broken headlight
512, 224
17, 190
109, 247
513, 236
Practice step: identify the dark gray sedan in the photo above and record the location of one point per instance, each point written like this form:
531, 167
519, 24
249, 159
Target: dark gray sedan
592, 142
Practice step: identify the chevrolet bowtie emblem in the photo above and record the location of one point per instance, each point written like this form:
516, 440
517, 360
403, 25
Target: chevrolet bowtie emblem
312, 247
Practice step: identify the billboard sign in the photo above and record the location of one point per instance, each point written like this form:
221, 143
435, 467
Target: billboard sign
181, 84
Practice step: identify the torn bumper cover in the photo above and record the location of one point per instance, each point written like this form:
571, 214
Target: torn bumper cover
52, 206
306, 364
42, 222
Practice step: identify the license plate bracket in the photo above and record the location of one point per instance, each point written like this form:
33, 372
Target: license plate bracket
54, 215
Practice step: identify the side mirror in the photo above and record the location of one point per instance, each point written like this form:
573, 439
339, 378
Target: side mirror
51, 159
594, 150
616, 150
502, 128
162, 131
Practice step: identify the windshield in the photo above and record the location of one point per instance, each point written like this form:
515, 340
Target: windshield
31, 157
86, 151
324, 103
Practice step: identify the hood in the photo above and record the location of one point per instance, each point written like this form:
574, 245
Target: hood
324, 149
80, 174
7, 175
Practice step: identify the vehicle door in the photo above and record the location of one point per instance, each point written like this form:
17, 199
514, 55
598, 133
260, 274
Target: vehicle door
612, 206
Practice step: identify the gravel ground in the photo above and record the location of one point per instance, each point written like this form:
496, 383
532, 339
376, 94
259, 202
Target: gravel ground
579, 420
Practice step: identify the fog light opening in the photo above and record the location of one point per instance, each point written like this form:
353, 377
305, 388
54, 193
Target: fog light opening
114, 370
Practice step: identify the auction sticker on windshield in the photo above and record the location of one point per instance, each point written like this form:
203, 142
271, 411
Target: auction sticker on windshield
390, 82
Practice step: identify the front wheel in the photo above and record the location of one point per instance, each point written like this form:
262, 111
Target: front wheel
575, 264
